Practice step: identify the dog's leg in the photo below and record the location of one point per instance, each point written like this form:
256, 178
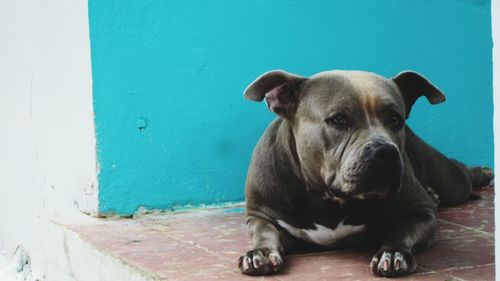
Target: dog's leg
395, 257
479, 176
450, 179
267, 250
459, 189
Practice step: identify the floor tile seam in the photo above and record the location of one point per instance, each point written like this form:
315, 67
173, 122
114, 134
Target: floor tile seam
467, 227
190, 243
462, 267
460, 210
465, 236
451, 269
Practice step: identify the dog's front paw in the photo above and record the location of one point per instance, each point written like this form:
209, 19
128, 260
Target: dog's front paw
260, 262
391, 263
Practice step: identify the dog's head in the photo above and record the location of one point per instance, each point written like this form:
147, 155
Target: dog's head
348, 126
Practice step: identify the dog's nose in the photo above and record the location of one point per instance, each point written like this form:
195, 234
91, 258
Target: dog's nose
384, 153
382, 168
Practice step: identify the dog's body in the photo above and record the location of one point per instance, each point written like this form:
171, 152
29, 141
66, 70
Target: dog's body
339, 166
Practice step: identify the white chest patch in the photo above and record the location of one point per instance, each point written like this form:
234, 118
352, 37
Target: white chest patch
323, 235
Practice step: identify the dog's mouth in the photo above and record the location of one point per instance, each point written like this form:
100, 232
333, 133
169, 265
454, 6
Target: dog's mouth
368, 182
334, 193
381, 191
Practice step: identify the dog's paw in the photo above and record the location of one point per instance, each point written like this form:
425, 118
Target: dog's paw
260, 262
481, 176
390, 263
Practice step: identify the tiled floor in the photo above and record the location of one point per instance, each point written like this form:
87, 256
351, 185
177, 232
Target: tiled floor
205, 245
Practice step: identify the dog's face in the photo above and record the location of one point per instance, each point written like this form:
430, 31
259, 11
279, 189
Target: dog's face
348, 129
348, 126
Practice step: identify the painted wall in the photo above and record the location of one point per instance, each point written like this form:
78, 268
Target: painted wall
173, 128
47, 144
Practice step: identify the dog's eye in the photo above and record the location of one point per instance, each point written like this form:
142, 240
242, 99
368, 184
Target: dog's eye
338, 120
396, 122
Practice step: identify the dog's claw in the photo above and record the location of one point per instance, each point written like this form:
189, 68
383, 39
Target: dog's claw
256, 261
398, 261
386, 265
434, 196
260, 262
274, 259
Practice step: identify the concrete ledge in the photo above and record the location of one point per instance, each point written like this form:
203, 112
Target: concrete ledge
86, 261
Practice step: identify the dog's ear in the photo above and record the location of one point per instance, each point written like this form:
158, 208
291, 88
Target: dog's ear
413, 85
279, 89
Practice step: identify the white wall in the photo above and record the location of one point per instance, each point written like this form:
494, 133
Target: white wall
495, 21
47, 140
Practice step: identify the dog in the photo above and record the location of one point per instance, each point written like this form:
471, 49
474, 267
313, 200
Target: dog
339, 166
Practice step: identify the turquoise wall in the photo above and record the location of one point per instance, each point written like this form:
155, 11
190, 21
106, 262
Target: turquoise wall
173, 128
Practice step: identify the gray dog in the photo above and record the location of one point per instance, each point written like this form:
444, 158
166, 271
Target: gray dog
340, 167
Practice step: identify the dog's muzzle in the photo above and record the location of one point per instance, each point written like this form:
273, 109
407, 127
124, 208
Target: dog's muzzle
383, 169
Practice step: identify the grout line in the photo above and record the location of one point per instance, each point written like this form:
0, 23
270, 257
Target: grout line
462, 268
466, 267
468, 228
451, 269
190, 243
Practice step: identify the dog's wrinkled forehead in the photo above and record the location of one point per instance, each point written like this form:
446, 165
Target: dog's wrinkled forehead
353, 89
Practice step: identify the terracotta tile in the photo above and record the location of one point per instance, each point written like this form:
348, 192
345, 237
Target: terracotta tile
477, 218
480, 273
450, 230
467, 251
205, 245
476, 214
427, 276
225, 235
161, 255
340, 265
